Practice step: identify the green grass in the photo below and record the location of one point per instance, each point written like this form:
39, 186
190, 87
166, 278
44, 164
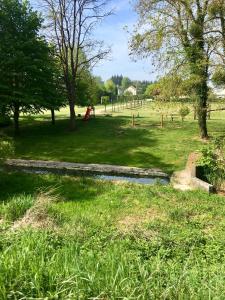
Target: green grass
93, 239
113, 241
113, 140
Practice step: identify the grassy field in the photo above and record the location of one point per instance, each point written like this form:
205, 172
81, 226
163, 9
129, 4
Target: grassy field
78, 238
102, 240
113, 140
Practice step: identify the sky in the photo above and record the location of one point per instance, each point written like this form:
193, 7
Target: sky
112, 31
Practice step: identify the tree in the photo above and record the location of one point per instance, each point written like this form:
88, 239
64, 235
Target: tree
89, 89
183, 112
24, 56
217, 10
179, 29
142, 86
110, 88
53, 92
72, 23
117, 79
105, 101
126, 82
153, 90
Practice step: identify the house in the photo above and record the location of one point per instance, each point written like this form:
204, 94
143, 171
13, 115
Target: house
219, 92
131, 90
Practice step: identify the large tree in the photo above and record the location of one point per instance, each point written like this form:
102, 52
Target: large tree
72, 23
180, 32
24, 59
217, 10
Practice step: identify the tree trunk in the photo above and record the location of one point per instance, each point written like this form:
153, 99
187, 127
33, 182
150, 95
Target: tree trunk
202, 122
53, 116
72, 115
16, 116
202, 94
70, 87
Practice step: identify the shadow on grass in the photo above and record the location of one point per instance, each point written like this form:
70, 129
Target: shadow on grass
68, 188
101, 140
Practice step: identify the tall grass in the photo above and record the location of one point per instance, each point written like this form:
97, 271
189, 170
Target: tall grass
44, 265
16, 207
173, 250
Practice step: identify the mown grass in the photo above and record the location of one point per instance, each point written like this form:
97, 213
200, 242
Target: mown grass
111, 241
113, 140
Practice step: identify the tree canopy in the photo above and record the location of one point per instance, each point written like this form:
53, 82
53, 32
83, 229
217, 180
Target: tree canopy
182, 34
26, 63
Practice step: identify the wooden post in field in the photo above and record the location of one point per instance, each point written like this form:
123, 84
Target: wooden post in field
162, 121
133, 120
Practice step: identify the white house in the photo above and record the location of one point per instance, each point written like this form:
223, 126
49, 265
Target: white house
219, 92
131, 90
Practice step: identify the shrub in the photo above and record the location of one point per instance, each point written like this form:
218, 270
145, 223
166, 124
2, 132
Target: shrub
183, 112
6, 148
213, 162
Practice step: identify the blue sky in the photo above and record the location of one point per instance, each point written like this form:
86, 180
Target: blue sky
112, 32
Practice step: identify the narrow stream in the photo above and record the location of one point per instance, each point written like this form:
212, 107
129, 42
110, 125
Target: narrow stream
107, 177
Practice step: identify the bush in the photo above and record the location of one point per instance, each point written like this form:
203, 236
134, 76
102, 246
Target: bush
184, 111
213, 162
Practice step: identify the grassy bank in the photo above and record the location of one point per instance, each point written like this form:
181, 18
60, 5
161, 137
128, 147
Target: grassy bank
102, 240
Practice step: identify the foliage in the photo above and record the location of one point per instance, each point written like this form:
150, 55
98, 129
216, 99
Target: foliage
213, 162
110, 88
105, 100
53, 92
117, 79
128, 93
184, 111
218, 77
6, 147
153, 90
177, 34
25, 60
126, 82
74, 41
89, 89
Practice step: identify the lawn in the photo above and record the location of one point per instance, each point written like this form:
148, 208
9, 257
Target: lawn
78, 238
113, 140
102, 240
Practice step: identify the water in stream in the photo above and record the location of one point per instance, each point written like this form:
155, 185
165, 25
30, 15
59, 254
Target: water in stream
132, 179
